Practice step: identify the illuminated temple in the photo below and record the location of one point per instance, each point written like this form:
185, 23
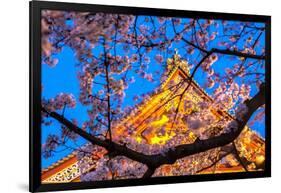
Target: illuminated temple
67, 170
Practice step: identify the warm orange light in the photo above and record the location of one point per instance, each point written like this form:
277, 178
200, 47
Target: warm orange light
164, 119
139, 139
191, 135
259, 159
161, 139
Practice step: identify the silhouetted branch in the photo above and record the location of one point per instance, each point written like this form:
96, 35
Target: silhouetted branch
236, 53
237, 156
178, 152
221, 51
149, 172
215, 162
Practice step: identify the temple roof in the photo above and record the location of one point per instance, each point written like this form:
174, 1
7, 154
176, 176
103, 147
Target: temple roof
173, 65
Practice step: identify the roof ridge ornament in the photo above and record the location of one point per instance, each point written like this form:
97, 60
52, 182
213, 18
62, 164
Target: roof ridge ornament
177, 61
176, 56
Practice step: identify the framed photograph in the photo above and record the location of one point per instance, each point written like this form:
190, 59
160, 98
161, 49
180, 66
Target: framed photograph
126, 96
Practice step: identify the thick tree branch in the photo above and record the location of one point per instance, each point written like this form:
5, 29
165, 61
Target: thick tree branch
181, 151
149, 172
112, 147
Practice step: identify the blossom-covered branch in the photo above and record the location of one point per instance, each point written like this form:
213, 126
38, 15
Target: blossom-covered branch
178, 152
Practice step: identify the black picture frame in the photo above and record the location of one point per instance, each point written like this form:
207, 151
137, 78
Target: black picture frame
35, 95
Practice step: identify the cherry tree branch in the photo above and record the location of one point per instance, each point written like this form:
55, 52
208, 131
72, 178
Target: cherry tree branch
110, 147
237, 156
178, 152
237, 53
149, 172
108, 96
221, 51
223, 139
215, 162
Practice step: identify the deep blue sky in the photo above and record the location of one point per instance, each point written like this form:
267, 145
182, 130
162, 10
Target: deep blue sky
62, 78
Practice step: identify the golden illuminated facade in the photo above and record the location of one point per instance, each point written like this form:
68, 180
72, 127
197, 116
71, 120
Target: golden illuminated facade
156, 108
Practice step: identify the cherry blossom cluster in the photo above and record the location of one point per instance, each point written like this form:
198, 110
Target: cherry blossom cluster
61, 101
50, 145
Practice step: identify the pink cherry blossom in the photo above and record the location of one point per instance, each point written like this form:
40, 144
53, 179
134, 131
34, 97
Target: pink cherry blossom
159, 58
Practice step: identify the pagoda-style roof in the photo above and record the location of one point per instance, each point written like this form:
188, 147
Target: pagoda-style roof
67, 170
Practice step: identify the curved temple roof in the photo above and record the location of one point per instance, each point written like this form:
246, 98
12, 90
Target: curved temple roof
67, 170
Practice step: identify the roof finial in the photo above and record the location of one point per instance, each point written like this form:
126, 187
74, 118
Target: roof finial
176, 51
176, 56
